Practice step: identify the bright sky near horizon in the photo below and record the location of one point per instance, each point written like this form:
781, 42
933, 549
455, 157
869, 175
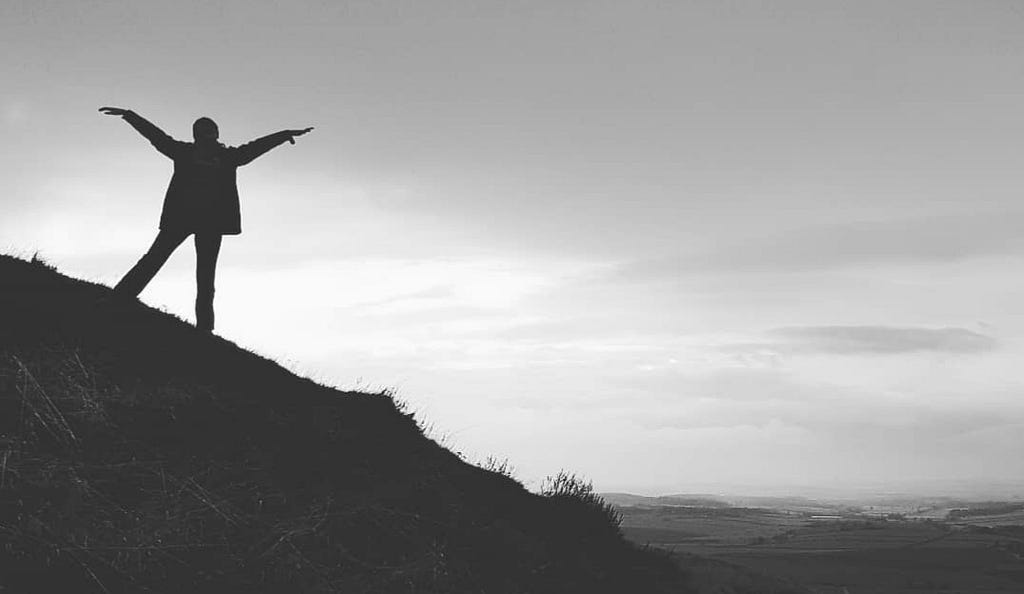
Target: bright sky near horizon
672, 246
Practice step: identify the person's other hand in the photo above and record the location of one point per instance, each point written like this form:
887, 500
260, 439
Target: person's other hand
293, 133
115, 111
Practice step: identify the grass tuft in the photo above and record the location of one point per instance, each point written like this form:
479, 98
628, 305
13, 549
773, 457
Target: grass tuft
569, 488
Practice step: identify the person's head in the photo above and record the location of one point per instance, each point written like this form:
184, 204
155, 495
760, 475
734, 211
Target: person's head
205, 129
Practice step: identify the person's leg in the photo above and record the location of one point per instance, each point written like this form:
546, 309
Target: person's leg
207, 250
146, 268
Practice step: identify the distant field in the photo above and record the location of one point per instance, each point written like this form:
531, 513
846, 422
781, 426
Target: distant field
856, 555
1015, 518
705, 526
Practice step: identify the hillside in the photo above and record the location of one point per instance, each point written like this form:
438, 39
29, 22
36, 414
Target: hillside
137, 454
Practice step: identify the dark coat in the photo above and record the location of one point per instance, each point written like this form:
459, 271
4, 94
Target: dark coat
203, 195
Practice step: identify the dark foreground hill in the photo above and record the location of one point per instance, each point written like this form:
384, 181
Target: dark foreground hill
137, 454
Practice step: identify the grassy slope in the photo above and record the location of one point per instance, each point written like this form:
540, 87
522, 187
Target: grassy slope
139, 455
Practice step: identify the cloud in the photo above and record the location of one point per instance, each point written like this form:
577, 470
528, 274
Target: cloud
741, 399
758, 398
15, 113
835, 416
937, 239
882, 340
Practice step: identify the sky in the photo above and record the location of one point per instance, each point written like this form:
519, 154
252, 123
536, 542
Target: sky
669, 246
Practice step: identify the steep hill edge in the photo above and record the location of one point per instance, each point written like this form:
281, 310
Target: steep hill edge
137, 454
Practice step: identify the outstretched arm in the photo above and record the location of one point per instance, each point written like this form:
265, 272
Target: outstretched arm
163, 143
250, 150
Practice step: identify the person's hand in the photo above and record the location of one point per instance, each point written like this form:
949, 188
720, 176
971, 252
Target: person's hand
293, 133
115, 111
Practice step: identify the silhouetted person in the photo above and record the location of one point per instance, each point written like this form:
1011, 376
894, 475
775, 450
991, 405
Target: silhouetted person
201, 200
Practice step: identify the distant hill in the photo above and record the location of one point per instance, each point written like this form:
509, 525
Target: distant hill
139, 455
630, 500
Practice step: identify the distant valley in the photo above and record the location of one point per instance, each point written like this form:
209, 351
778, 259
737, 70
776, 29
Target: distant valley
885, 544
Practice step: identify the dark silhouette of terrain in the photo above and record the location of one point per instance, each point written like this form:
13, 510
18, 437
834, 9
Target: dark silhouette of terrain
201, 200
138, 454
